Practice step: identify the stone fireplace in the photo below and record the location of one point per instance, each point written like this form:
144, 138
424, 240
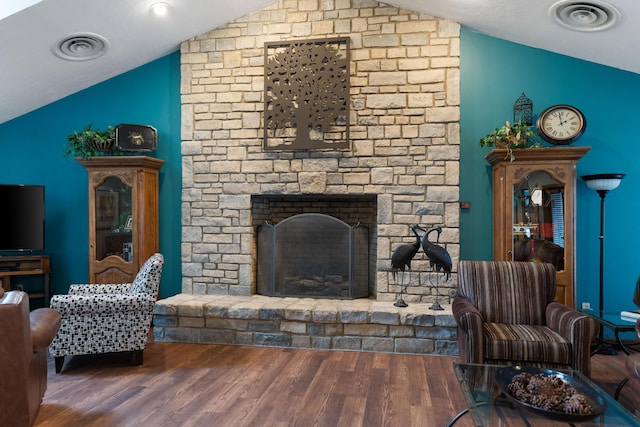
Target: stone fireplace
401, 168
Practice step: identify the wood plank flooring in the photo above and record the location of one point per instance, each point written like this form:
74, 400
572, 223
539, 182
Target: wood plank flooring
219, 385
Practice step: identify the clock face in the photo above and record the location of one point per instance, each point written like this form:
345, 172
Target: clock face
561, 124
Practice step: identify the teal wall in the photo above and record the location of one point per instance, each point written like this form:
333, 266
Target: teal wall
493, 75
32, 152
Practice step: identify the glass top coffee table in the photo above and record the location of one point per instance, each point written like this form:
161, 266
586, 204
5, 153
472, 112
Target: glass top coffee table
490, 407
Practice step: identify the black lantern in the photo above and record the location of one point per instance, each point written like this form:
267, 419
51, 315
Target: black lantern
523, 110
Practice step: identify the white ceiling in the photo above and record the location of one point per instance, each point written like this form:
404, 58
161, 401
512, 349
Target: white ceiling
31, 76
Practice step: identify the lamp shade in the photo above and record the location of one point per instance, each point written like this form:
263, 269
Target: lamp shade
603, 181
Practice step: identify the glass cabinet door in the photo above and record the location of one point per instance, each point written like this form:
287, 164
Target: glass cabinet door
113, 220
539, 220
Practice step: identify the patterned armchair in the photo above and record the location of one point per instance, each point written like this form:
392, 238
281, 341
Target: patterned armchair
107, 318
506, 315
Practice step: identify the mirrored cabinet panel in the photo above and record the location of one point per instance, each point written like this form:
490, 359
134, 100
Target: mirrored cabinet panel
123, 215
534, 210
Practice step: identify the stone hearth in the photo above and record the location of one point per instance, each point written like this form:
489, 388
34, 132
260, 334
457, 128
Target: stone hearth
359, 325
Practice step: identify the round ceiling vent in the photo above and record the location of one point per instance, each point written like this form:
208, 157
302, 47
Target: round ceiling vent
80, 47
592, 15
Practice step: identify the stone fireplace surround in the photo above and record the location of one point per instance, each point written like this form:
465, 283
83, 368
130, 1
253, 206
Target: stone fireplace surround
403, 162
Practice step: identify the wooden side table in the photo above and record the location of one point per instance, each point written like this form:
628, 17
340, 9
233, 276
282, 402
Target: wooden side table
28, 265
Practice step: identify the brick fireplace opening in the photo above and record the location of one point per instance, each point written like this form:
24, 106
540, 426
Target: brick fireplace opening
315, 245
313, 255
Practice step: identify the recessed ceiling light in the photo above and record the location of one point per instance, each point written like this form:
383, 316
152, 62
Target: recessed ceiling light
80, 47
159, 8
591, 15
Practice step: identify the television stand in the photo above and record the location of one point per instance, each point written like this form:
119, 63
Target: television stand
28, 265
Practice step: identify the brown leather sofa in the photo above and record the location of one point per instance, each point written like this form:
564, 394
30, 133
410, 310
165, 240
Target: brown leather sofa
24, 340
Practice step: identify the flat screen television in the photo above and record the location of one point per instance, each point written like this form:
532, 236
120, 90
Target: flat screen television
21, 217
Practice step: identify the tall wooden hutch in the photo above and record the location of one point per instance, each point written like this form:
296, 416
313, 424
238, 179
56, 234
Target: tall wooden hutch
534, 210
123, 215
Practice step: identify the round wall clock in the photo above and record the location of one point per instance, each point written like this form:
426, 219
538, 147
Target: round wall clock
561, 124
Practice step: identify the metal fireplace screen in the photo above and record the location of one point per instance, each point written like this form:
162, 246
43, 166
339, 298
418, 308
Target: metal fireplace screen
313, 255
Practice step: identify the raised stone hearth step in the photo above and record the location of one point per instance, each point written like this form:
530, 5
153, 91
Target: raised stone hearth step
360, 324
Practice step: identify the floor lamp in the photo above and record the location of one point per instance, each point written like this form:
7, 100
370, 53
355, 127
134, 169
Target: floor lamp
603, 183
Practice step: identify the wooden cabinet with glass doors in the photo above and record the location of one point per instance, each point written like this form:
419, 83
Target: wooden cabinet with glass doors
534, 210
123, 215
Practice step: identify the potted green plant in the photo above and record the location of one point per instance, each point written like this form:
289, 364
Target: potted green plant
91, 142
511, 137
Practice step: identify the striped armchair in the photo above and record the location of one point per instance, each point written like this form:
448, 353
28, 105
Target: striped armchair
506, 315
107, 318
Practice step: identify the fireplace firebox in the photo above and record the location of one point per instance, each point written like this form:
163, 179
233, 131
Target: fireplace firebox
313, 255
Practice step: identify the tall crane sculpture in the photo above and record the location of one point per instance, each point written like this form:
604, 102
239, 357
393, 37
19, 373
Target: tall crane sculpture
439, 259
401, 259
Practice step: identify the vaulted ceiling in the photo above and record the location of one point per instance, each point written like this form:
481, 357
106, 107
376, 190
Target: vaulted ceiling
32, 76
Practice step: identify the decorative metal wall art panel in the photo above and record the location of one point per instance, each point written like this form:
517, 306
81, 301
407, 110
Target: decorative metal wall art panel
306, 94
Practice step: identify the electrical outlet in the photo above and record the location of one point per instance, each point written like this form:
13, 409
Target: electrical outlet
20, 287
586, 306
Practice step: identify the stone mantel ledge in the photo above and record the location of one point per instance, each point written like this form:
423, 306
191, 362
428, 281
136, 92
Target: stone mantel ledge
359, 324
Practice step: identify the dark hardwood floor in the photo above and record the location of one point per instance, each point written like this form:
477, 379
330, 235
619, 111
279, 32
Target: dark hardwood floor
219, 385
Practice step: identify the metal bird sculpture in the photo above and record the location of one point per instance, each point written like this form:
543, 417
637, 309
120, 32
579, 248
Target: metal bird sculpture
402, 256
439, 258
401, 259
